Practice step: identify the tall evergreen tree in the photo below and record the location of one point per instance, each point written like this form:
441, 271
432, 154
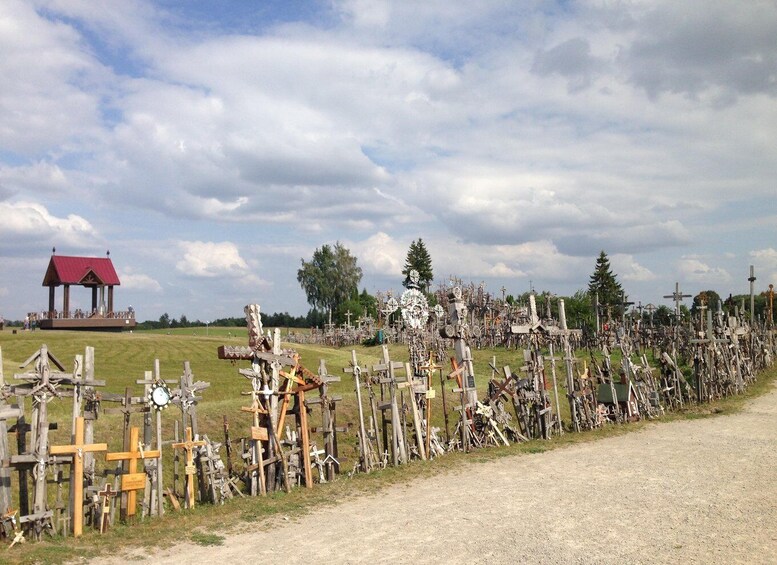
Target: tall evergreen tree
418, 258
604, 283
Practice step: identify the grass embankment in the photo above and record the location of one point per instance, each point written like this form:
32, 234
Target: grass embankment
120, 359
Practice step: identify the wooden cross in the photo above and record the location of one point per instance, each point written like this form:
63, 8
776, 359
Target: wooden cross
430, 368
190, 469
77, 450
105, 513
131, 479
677, 296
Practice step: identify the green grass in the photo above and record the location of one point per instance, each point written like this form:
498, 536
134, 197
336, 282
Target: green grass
120, 359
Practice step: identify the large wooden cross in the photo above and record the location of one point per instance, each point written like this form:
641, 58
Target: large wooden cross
131, 479
77, 450
190, 469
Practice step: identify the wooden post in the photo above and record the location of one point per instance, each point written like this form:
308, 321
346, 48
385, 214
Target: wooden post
77, 450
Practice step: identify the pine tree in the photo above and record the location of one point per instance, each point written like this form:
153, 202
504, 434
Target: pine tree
604, 283
418, 258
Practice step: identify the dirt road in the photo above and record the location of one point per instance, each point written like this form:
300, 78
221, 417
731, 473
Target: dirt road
701, 491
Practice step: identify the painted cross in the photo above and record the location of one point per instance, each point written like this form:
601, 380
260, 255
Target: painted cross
77, 450
131, 479
190, 469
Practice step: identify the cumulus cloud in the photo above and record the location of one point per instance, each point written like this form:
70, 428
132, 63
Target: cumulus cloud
381, 254
25, 223
139, 281
694, 270
517, 141
628, 269
210, 259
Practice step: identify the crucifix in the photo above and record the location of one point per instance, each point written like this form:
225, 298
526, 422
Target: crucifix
186, 397
429, 369
43, 387
328, 418
132, 480
365, 450
77, 450
388, 379
258, 435
190, 469
129, 405
677, 296
702, 390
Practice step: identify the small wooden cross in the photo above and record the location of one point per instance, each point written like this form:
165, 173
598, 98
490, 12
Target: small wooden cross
131, 480
105, 513
77, 450
190, 469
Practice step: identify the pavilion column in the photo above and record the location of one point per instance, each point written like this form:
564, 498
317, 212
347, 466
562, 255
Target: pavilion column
66, 302
52, 292
110, 299
94, 298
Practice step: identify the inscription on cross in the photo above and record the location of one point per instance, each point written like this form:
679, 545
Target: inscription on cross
131, 479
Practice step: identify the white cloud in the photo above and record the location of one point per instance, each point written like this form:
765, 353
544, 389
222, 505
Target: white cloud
139, 281
628, 269
380, 254
694, 270
210, 259
32, 222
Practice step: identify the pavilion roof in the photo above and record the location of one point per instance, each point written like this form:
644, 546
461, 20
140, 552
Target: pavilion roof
86, 271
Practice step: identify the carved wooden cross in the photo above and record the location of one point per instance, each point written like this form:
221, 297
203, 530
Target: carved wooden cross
190, 469
77, 450
131, 479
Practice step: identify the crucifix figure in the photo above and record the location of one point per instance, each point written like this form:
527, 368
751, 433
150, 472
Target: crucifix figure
77, 450
190, 469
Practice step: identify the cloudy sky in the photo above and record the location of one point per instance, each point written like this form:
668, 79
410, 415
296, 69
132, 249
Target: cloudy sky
211, 145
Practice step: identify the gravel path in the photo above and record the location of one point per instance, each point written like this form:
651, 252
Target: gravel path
700, 491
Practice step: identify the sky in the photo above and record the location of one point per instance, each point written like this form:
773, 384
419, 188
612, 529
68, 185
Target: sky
213, 145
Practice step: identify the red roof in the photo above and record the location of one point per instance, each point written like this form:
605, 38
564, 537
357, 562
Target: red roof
80, 271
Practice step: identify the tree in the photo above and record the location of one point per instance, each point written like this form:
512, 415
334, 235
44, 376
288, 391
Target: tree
709, 298
604, 284
330, 277
164, 320
418, 258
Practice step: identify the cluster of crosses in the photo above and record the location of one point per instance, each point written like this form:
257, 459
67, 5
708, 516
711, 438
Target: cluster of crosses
394, 405
93, 498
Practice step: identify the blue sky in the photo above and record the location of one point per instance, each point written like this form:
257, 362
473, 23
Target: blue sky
213, 145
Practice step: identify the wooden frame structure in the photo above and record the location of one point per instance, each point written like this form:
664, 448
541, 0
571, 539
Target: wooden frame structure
94, 273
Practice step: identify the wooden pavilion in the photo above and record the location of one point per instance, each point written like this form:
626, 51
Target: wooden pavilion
95, 273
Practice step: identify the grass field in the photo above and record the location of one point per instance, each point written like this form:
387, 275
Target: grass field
120, 359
